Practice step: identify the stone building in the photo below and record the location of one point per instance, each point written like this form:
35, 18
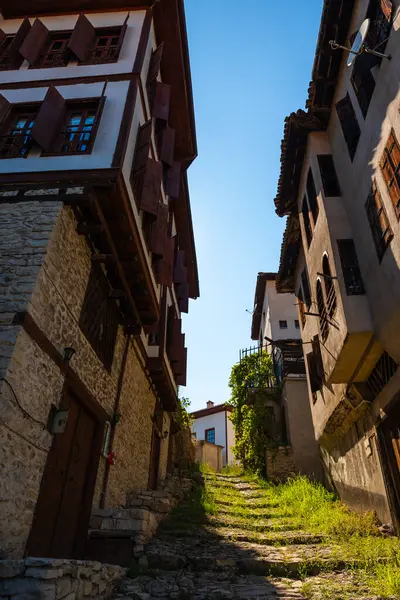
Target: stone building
340, 187
275, 325
97, 259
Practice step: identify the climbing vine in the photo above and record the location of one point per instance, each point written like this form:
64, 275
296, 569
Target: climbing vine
250, 416
183, 417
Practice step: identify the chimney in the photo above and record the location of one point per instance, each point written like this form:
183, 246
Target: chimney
210, 404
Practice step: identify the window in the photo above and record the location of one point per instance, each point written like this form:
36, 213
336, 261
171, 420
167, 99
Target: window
80, 128
328, 175
363, 81
349, 123
8, 59
106, 46
297, 324
306, 221
351, 271
283, 324
378, 221
55, 52
194, 435
380, 13
323, 318
330, 294
154, 339
383, 371
315, 367
100, 317
210, 435
390, 166
304, 295
17, 139
312, 196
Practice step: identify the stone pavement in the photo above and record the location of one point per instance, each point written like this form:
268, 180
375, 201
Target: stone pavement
244, 549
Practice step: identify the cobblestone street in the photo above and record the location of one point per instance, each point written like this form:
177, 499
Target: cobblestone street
246, 549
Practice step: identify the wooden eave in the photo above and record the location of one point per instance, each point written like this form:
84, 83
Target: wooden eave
164, 387
170, 28
184, 224
262, 279
291, 244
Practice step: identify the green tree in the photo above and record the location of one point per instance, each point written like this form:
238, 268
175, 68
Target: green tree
250, 415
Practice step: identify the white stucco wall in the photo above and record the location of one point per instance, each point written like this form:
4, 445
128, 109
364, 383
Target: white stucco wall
278, 307
67, 22
106, 138
218, 422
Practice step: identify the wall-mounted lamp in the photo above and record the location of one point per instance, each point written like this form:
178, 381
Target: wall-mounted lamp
165, 435
69, 353
116, 418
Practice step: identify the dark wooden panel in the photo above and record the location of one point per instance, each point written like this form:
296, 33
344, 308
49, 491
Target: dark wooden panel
35, 41
167, 145
162, 100
14, 48
151, 189
4, 108
173, 180
180, 270
159, 230
82, 38
49, 119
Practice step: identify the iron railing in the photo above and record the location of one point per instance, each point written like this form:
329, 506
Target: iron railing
287, 358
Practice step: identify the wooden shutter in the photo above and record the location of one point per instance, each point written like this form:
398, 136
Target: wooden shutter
49, 119
378, 220
319, 366
150, 192
165, 266
389, 162
155, 64
312, 373
159, 230
34, 43
351, 270
182, 292
82, 38
173, 180
350, 127
143, 144
175, 340
162, 99
122, 35
167, 145
181, 377
177, 366
5, 107
180, 270
306, 287
387, 8
13, 49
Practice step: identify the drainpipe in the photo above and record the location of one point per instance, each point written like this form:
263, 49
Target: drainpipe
113, 425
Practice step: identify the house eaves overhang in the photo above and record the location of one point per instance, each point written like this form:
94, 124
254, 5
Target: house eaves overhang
170, 28
335, 25
259, 295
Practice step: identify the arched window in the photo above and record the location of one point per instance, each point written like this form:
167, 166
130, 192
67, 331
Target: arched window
323, 322
330, 293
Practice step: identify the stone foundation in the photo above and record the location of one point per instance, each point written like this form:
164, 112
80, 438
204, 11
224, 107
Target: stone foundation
280, 463
57, 579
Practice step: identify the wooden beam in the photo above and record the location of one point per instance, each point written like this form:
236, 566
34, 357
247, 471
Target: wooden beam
116, 294
102, 258
89, 228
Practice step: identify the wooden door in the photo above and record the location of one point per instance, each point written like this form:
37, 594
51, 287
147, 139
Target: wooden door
64, 505
154, 460
389, 436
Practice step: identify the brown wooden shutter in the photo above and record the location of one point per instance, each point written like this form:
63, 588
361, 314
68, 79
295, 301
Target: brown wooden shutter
173, 181
182, 291
5, 107
159, 230
13, 49
155, 64
180, 270
165, 266
150, 193
162, 99
82, 38
143, 144
181, 377
167, 145
35, 41
319, 366
49, 119
174, 350
122, 35
387, 8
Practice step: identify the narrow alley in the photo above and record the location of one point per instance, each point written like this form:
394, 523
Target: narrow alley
232, 540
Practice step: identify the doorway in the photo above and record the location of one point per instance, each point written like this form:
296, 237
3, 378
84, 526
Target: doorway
63, 509
389, 438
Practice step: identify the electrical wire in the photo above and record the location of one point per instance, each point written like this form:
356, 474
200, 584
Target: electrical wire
22, 409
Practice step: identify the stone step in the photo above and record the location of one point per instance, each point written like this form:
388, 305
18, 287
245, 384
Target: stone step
274, 524
244, 503
263, 560
242, 535
207, 586
250, 513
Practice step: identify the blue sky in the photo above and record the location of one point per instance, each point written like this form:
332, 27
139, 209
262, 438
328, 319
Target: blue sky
251, 65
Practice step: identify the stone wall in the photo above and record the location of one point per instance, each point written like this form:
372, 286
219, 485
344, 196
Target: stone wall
47, 255
280, 463
51, 579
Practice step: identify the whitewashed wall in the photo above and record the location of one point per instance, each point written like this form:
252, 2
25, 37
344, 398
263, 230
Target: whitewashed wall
218, 421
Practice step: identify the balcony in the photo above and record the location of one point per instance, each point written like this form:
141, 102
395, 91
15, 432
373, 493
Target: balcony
287, 359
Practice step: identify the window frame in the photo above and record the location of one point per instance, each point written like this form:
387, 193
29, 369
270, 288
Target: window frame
359, 290
351, 139
386, 157
329, 178
283, 326
91, 61
64, 52
17, 111
210, 429
11, 65
310, 206
376, 213
297, 324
